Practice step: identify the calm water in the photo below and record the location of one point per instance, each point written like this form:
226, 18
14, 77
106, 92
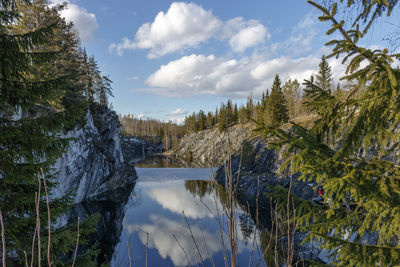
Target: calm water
154, 217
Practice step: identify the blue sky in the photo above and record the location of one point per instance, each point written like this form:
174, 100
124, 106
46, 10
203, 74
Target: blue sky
168, 59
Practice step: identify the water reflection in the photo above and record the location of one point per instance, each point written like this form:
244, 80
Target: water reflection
157, 222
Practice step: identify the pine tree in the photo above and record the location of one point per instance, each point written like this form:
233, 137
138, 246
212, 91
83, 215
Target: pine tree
276, 107
360, 174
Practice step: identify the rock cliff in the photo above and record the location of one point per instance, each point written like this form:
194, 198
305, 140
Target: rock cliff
93, 165
212, 146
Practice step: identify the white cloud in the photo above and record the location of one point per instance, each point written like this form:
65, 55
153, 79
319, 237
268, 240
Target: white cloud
199, 74
178, 201
178, 112
85, 23
183, 25
187, 25
161, 231
248, 37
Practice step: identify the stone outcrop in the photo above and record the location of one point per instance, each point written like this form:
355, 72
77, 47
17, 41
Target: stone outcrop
210, 145
93, 164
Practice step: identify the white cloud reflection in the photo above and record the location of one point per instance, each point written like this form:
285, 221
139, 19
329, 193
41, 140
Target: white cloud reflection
162, 230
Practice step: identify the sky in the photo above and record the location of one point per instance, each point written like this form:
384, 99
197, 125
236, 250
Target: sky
169, 59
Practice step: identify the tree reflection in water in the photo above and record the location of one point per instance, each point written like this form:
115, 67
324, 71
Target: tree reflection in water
265, 225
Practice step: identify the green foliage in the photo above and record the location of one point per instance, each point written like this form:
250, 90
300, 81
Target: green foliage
324, 76
40, 98
97, 87
222, 119
359, 173
276, 108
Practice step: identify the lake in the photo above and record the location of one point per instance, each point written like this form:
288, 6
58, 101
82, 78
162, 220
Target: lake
177, 216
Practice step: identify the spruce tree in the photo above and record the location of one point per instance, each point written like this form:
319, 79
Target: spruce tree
201, 117
235, 114
222, 119
276, 107
324, 76
32, 116
360, 174
103, 89
209, 120
229, 113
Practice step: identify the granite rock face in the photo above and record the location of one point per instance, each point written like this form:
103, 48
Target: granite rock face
93, 165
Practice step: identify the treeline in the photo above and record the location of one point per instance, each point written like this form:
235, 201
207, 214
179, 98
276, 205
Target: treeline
168, 132
277, 105
47, 83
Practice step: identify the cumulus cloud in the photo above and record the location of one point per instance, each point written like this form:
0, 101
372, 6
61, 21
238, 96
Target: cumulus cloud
85, 23
244, 34
178, 112
199, 74
248, 37
183, 25
187, 25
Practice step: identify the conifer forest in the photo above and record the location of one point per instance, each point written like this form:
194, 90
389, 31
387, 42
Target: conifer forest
277, 152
